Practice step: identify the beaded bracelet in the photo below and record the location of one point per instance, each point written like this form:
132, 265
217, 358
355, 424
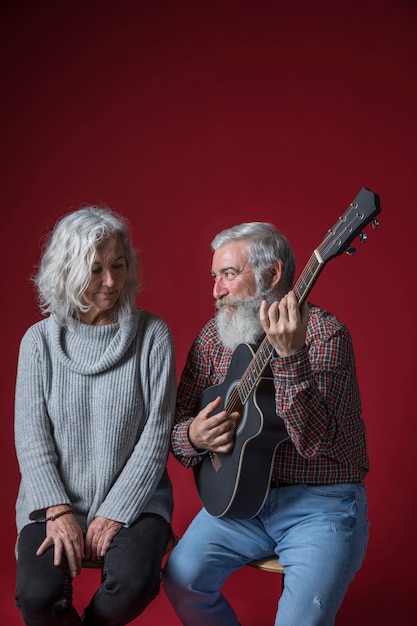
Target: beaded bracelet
52, 518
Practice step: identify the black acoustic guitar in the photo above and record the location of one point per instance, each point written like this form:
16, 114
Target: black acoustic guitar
236, 484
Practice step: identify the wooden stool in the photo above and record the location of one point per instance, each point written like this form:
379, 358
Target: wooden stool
269, 564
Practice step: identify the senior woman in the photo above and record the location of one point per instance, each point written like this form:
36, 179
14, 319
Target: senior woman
95, 395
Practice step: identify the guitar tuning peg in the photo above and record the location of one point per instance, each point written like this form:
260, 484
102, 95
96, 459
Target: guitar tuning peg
350, 251
363, 237
375, 223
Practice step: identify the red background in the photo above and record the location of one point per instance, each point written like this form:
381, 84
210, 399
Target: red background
191, 116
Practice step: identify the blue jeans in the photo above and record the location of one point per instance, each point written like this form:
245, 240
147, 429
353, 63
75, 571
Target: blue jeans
132, 574
319, 532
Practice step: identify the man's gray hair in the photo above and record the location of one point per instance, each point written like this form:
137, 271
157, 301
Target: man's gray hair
266, 246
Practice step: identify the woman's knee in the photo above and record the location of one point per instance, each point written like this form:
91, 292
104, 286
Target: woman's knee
121, 600
143, 582
37, 602
42, 589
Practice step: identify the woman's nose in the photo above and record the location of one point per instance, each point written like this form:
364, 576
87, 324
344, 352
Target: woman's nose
108, 278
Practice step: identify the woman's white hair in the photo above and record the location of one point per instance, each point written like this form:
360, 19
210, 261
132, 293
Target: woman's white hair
65, 267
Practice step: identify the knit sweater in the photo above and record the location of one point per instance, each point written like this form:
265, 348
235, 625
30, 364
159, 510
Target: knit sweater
94, 409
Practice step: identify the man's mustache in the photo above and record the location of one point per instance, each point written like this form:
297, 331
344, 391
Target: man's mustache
225, 301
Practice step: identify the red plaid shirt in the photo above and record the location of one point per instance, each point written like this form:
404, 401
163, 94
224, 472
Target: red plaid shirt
316, 394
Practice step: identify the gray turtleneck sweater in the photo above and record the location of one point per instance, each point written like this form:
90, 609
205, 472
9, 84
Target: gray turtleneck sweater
93, 414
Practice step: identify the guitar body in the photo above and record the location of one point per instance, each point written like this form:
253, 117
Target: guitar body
236, 484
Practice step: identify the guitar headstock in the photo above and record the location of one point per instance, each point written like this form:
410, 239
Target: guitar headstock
360, 212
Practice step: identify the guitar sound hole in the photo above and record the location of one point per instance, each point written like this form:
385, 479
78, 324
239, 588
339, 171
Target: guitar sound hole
233, 403
242, 420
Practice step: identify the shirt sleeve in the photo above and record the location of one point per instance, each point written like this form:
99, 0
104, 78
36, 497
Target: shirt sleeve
316, 391
195, 378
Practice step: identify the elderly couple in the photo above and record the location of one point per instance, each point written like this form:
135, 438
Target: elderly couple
97, 412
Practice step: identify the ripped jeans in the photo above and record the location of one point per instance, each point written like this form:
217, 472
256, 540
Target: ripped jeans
319, 532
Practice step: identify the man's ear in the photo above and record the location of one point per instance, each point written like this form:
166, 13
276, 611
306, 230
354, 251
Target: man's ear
275, 272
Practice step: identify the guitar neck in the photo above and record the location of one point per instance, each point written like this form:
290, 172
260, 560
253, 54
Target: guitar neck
361, 211
307, 279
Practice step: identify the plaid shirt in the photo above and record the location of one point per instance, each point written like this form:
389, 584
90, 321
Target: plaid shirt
316, 394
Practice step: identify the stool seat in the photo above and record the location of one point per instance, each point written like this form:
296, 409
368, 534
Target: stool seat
90, 564
268, 564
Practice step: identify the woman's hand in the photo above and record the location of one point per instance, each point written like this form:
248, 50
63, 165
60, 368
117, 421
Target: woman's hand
65, 535
99, 537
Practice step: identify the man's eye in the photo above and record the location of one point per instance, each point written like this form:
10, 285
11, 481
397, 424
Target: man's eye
97, 270
230, 275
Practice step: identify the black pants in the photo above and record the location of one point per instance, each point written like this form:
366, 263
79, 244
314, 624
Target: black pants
132, 576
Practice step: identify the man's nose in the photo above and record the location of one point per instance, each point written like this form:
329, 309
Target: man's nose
219, 288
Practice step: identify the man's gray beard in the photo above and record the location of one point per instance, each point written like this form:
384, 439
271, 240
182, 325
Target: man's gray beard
244, 324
